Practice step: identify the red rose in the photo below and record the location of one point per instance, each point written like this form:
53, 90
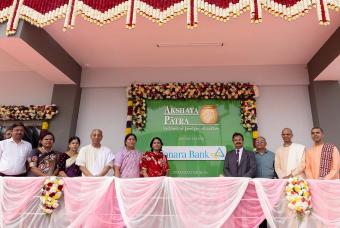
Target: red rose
60, 187
52, 194
49, 184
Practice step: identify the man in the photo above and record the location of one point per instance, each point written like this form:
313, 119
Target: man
290, 157
14, 153
322, 160
95, 159
264, 159
264, 164
239, 162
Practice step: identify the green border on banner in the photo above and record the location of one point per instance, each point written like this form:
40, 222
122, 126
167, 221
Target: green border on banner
179, 123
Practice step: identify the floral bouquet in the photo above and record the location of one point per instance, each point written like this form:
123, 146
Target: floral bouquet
50, 193
299, 196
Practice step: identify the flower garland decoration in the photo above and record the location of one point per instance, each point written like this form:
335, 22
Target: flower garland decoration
31, 112
51, 192
44, 12
139, 93
299, 196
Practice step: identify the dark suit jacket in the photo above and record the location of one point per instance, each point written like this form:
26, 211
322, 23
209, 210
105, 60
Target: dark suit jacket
247, 167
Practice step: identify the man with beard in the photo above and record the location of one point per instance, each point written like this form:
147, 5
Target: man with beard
239, 162
322, 160
14, 153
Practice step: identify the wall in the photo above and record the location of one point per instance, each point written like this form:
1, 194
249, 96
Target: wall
24, 88
284, 106
103, 108
278, 107
259, 75
325, 97
283, 100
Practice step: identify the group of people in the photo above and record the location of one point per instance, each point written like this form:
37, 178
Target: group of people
321, 161
17, 158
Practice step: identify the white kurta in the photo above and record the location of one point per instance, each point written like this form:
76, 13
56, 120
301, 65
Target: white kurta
290, 159
95, 159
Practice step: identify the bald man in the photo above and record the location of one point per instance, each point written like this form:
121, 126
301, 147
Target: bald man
95, 159
264, 159
290, 157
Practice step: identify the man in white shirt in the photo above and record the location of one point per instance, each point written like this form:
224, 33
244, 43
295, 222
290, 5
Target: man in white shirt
290, 157
95, 159
14, 153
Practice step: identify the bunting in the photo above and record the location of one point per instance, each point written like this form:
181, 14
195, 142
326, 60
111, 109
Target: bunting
44, 12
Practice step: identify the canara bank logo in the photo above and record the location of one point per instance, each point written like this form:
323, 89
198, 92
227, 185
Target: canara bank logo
217, 154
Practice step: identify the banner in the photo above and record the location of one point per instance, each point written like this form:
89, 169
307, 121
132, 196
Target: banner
196, 134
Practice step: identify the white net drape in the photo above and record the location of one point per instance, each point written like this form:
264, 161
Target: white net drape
182, 202
166, 202
325, 203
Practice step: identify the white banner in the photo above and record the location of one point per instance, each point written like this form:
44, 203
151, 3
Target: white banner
195, 152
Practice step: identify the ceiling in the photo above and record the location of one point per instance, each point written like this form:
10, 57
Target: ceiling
9, 63
274, 41
332, 71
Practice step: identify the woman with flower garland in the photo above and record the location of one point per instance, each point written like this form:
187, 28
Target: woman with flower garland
43, 160
126, 164
67, 161
154, 163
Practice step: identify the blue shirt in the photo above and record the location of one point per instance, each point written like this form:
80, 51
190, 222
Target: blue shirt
265, 165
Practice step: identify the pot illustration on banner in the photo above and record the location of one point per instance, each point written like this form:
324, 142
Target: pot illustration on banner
209, 114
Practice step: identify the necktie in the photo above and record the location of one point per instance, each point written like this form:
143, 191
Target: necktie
237, 156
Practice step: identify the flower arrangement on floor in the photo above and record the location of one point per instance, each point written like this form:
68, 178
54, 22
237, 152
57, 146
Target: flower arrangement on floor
51, 192
299, 196
139, 93
30, 112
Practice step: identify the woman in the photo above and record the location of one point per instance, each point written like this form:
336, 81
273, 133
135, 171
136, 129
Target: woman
154, 163
67, 161
126, 164
43, 160
8, 133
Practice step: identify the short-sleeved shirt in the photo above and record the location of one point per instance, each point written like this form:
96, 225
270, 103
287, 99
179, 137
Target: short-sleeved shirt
13, 156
